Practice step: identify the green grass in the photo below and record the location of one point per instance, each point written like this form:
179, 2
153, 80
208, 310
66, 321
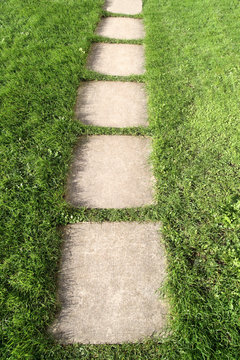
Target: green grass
193, 83
193, 80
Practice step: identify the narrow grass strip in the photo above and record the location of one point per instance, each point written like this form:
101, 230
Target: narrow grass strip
110, 14
102, 39
92, 75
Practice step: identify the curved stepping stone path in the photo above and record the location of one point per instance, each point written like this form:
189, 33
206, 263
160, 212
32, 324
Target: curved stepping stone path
110, 273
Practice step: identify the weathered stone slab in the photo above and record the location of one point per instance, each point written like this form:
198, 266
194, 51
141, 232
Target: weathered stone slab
112, 103
111, 172
121, 28
116, 59
129, 7
108, 284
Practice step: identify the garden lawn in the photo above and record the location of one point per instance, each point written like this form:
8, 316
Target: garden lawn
193, 79
193, 83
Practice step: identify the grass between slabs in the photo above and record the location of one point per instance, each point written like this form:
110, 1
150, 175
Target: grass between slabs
192, 53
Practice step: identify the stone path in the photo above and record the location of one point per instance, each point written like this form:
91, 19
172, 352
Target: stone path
127, 7
109, 277
117, 59
114, 104
110, 272
111, 172
121, 28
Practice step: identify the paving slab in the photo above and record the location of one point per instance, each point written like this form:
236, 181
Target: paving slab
112, 103
111, 172
121, 28
108, 283
116, 59
129, 7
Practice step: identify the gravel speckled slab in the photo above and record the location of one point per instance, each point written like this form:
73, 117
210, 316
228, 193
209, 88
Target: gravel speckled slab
116, 59
121, 28
108, 282
129, 7
111, 172
112, 103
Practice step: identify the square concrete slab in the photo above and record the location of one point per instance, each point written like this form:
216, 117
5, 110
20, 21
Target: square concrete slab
112, 103
116, 59
108, 283
111, 172
121, 28
129, 7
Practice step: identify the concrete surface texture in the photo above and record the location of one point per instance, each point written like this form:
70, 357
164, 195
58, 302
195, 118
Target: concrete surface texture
108, 283
121, 28
116, 59
112, 103
111, 172
128, 7
110, 273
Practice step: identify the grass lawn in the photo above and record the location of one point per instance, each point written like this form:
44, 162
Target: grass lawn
193, 83
193, 78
